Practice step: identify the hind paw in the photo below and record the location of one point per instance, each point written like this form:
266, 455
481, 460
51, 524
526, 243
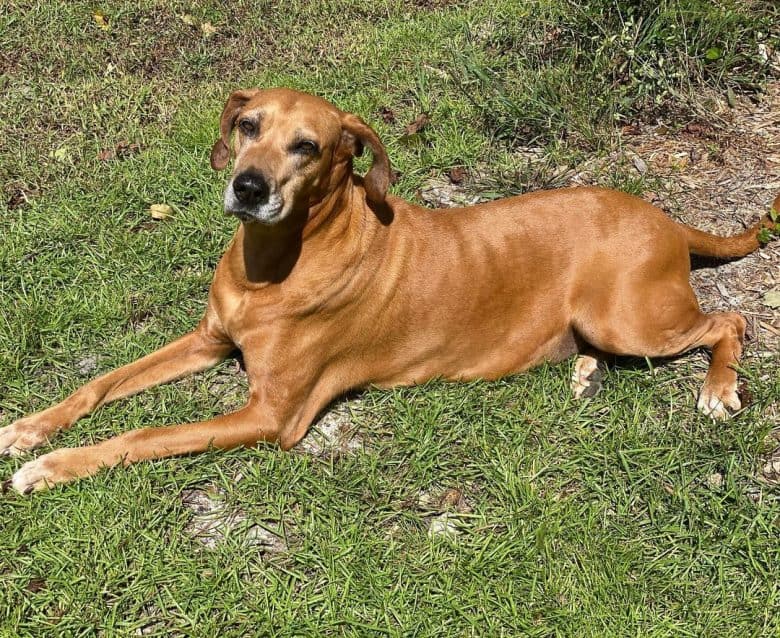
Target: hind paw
587, 378
716, 403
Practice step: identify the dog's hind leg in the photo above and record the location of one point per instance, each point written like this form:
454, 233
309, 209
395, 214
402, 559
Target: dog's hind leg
725, 335
662, 320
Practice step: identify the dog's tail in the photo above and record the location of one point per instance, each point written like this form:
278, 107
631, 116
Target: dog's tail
709, 245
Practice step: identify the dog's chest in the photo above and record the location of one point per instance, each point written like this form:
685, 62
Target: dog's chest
249, 316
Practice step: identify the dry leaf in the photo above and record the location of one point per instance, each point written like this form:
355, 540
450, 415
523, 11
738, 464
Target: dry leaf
160, 211
772, 298
62, 154
100, 20
457, 175
387, 114
418, 125
126, 149
122, 150
639, 164
208, 29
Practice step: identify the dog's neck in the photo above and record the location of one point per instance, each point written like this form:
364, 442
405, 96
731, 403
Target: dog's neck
328, 230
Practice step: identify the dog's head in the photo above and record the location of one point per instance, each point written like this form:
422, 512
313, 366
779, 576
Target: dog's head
291, 150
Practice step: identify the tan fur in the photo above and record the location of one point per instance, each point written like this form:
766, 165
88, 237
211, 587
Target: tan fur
354, 287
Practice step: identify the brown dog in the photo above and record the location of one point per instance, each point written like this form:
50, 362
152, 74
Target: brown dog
331, 284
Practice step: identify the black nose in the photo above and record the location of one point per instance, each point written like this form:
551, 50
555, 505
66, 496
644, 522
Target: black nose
250, 188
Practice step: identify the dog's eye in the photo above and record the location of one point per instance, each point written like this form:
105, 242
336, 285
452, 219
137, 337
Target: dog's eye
306, 147
247, 127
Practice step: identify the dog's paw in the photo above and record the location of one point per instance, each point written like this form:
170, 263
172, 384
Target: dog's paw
716, 404
587, 378
22, 436
41, 473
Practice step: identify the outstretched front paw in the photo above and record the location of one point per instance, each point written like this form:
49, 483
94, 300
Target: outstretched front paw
60, 466
21, 436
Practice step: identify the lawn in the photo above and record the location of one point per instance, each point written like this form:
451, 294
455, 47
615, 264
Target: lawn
488, 509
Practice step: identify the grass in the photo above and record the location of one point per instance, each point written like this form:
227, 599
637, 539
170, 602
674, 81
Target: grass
625, 515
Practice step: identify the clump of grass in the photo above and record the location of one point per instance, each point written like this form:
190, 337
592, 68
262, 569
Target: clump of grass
574, 70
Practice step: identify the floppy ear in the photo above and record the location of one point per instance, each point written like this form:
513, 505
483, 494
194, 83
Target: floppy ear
220, 152
357, 134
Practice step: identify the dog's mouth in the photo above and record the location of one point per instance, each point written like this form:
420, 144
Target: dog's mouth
267, 217
267, 212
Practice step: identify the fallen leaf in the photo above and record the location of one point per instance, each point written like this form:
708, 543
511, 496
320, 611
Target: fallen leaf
62, 154
772, 298
35, 585
19, 197
387, 114
631, 129
639, 164
100, 20
444, 526
160, 211
126, 149
715, 480
457, 174
699, 129
678, 161
208, 29
122, 150
418, 125
187, 19
451, 497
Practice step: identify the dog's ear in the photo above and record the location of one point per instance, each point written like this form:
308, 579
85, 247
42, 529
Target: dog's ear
220, 152
355, 134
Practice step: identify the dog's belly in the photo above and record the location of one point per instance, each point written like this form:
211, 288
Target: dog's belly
512, 357
462, 358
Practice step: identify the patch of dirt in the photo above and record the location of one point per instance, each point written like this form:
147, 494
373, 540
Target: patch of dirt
87, 365
213, 521
442, 192
336, 431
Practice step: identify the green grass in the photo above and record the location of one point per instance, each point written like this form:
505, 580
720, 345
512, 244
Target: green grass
591, 519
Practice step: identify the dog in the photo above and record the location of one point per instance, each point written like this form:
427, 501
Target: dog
330, 284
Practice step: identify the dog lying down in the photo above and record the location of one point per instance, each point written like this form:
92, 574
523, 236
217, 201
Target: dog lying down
331, 284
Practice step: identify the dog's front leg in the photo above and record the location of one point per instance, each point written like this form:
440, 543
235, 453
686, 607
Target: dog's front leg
195, 351
247, 426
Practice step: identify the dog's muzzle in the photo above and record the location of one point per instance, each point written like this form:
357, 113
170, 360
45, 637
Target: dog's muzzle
248, 196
